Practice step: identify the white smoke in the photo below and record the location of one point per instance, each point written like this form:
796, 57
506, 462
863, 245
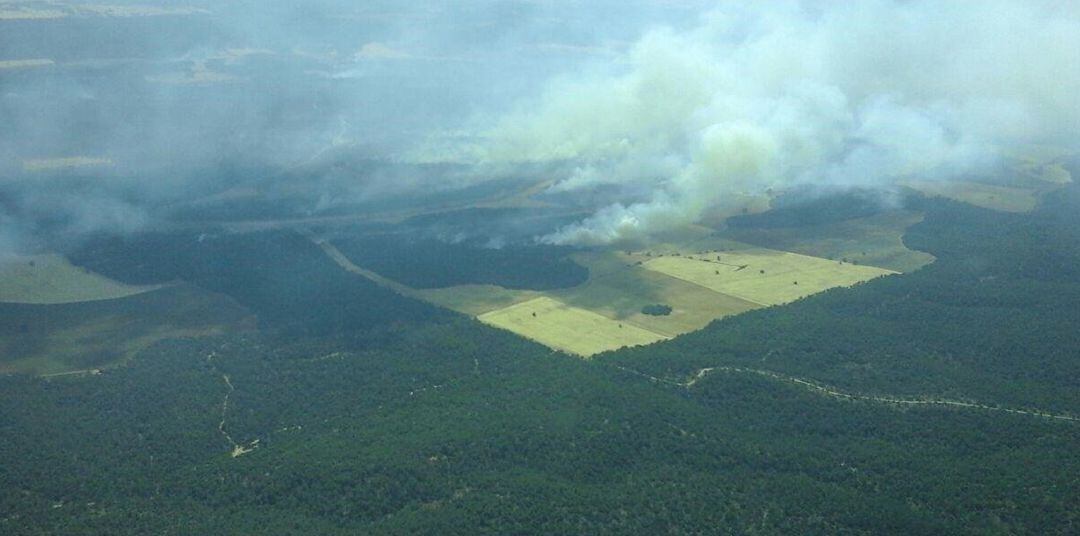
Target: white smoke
771, 94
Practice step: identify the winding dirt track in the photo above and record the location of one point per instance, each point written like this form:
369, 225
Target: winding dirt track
825, 390
238, 449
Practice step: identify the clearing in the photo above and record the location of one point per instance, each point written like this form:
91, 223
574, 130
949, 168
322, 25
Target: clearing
994, 197
763, 276
51, 279
618, 289
571, 329
873, 240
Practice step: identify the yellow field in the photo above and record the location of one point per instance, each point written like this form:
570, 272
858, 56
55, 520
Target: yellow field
618, 289
475, 299
874, 240
763, 276
1003, 198
570, 329
604, 313
52, 279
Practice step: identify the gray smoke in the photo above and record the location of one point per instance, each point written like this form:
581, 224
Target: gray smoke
113, 111
776, 94
654, 110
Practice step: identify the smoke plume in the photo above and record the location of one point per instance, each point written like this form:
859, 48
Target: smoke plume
773, 95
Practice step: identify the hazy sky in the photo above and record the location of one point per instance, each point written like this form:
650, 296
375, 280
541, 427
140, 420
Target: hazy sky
112, 110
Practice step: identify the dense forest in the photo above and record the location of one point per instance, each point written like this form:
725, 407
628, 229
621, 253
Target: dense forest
280, 275
368, 412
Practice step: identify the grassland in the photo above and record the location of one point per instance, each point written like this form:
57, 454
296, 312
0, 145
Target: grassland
763, 276
994, 197
567, 328
51, 279
476, 300
619, 289
874, 240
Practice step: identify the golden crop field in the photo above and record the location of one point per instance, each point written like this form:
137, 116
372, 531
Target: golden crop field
1003, 198
51, 279
763, 276
567, 328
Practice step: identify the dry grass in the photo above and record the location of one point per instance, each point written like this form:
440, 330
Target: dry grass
1003, 198
51, 279
618, 288
874, 240
476, 299
567, 328
763, 276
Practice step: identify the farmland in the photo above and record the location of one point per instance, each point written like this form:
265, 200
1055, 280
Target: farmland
873, 240
994, 197
605, 312
475, 299
51, 279
623, 289
564, 327
763, 276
